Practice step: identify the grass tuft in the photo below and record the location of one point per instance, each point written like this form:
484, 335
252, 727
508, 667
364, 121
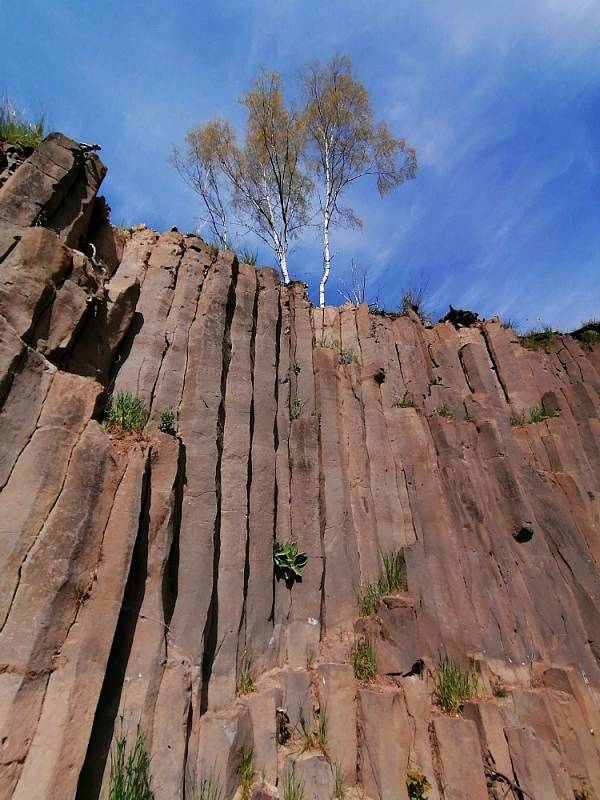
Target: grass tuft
207, 788
453, 685
16, 129
347, 356
364, 661
125, 413
296, 367
338, 781
248, 256
536, 414
539, 338
246, 681
392, 580
443, 411
498, 689
130, 771
293, 787
403, 402
246, 772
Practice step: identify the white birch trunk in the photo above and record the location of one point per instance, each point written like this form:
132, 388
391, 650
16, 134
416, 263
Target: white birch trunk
326, 260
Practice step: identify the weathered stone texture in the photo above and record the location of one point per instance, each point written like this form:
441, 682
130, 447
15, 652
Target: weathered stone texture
136, 573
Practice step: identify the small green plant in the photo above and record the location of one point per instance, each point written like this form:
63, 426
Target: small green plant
443, 411
293, 787
126, 413
347, 356
538, 414
435, 381
305, 731
289, 562
41, 219
392, 580
296, 367
167, 422
295, 409
16, 129
417, 784
403, 402
130, 771
510, 324
207, 788
338, 781
518, 420
468, 416
331, 344
364, 661
320, 731
498, 689
246, 681
246, 772
538, 338
248, 256
453, 685
310, 658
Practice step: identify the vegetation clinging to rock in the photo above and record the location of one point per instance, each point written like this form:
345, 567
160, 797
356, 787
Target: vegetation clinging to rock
16, 129
289, 562
453, 684
126, 413
130, 771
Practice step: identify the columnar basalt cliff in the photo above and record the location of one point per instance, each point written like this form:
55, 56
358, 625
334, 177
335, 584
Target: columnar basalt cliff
137, 572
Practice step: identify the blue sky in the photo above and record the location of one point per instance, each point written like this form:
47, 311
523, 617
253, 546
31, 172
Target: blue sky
501, 100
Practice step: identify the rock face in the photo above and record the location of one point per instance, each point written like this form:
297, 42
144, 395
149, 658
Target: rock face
137, 573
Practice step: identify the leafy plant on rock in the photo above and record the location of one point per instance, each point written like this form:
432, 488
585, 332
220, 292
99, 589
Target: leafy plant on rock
246, 681
289, 562
392, 580
167, 423
417, 784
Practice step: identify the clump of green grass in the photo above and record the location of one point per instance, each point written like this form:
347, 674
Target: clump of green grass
347, 356
331, 344
338, 781
393, 579
453, 685
539, 338
498, 689
403, 402
246, 681
246, 772
126, 413
207, 788
296, 367
16, 129
538, 414
417, 784
443, 411
130, 771
41, 219
310, 658
364, 661
510, 323
305, 731
435, 381
167, 423
313, 732
248, 256
293, 787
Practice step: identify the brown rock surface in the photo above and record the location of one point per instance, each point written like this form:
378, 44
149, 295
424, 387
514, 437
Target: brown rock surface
136, 571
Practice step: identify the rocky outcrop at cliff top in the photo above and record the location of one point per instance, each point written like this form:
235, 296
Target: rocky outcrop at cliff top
137, 572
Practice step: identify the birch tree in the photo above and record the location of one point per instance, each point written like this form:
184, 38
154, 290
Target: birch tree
200, 168
346, 144
267, 188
